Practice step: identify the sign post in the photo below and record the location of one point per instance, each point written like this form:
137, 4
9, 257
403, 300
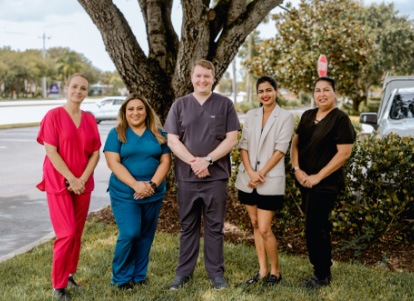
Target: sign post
322, 66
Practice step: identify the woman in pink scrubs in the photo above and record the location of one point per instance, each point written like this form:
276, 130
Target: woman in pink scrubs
71, 140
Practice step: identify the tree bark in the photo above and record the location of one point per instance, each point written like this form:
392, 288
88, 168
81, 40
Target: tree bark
213, 32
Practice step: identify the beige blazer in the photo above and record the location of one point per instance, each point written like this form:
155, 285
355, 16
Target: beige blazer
260, 146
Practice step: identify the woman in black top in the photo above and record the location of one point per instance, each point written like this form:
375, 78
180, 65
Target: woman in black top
321, 145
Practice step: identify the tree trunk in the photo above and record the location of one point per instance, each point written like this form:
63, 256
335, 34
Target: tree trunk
234, 80
211, 32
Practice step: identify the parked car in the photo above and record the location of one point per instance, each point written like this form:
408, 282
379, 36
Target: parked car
396, 111
105, 109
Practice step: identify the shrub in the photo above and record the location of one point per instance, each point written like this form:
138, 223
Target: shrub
377, 204
244, 106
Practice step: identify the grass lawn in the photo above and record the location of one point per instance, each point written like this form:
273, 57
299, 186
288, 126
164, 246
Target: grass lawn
26, 277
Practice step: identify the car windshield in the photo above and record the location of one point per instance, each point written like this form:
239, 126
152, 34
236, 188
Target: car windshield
402, 106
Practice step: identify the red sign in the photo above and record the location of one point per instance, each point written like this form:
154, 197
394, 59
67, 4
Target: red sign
322, 66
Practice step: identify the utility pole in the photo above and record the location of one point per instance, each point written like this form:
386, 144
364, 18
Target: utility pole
44, 56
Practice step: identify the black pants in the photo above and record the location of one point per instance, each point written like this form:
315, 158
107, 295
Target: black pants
317, 207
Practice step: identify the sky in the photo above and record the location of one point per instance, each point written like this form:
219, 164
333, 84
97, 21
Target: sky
38, 24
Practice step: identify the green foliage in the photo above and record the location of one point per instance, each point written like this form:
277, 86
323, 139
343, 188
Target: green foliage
27, 276
377, 204
305, 98
22, 72
244, 106
371, 106
361, 44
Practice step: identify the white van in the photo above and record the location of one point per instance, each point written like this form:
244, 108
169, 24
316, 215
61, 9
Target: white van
396, 111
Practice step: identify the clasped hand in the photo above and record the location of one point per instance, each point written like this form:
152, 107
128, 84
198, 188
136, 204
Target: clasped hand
142, 190
256, 178
76, 185
306, 180
200, 167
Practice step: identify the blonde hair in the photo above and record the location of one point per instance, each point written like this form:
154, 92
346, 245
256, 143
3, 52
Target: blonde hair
76, 75
152, 121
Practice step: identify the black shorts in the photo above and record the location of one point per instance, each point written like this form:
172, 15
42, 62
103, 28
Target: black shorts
264, 202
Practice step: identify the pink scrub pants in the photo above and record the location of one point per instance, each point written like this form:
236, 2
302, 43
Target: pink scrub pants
68, 213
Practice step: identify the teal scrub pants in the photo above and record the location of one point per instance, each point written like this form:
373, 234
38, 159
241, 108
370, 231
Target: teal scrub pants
136, 224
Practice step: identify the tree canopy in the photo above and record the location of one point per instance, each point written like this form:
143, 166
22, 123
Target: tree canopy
212, 30
361, 45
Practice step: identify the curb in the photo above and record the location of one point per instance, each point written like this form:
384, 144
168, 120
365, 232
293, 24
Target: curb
36, 243
28, 247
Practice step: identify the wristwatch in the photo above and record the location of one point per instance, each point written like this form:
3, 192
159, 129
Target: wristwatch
153, 185
295, 168
209, 160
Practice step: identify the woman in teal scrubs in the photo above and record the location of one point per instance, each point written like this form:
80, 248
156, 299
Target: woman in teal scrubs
139, 158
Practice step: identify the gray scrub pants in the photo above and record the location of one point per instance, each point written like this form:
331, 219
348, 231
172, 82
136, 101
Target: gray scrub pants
207, 199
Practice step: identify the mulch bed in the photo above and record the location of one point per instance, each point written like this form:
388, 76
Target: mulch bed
391, 256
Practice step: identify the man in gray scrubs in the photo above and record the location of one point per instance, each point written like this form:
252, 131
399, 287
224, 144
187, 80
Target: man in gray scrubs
202, 130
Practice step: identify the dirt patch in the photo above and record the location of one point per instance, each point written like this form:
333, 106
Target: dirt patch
391, 256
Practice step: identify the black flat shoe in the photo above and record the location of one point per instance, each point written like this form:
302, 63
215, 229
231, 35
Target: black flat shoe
316, 282
256, 278
273, 279
128, 286
72, 283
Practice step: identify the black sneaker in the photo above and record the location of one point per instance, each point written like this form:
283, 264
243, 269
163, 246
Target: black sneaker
219, 283
60, 294
273, 279
128, 286
256, 278
141, 282
72, 283
178, 282
316, 282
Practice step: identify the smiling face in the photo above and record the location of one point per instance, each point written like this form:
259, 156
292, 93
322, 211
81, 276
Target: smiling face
324, 95
203, 80
135, 113
77, 89
267, 94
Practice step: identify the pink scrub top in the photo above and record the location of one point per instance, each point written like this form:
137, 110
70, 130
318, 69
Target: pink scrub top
74, 145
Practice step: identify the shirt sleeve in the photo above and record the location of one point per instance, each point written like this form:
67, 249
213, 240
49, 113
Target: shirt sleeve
112, 143
345, 132
96, 136
171, 123
47, 132
233, 122
164, 147
283, 139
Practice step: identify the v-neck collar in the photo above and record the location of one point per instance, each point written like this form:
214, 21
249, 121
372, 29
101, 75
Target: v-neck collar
201, 105
74, 124
139, 136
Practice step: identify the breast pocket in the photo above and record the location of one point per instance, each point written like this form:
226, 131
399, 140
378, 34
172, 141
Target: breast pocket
218, 126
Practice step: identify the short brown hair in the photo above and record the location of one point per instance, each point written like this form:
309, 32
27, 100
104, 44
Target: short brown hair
205, 64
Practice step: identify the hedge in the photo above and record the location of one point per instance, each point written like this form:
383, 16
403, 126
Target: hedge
378, 201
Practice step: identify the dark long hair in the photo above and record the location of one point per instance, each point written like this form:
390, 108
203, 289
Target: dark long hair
325, 79
271, 81
152, 121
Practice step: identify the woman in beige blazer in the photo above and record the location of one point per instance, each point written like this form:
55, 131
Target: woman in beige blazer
266, 135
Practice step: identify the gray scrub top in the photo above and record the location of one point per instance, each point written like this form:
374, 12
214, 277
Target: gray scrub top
201, 128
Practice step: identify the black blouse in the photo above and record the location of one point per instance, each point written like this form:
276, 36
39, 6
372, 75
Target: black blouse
317, 145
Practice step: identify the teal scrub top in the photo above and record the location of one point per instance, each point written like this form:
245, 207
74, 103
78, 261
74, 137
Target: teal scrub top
141, 156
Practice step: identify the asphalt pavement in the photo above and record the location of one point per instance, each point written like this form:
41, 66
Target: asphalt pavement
24, 215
